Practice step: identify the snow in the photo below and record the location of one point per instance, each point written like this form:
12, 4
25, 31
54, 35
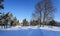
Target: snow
31, 31
18, 27
53, 28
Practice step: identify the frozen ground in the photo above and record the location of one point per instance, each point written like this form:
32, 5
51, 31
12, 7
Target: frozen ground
53, 28
31, 31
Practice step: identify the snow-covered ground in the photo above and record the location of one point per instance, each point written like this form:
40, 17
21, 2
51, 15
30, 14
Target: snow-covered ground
31, 31
18, 27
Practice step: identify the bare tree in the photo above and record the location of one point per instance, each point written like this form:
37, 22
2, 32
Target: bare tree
45, 10
39, 10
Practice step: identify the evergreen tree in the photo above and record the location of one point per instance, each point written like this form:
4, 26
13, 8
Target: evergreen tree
25, 22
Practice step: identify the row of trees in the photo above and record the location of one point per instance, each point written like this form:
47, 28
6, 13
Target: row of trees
44, 14
8, 20
36, 22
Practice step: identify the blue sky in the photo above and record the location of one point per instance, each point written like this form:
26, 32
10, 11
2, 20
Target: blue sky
24, 8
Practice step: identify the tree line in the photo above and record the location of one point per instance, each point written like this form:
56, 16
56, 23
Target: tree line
8, 20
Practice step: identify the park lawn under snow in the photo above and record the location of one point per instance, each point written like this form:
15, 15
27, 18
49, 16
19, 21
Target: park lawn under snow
31, 31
